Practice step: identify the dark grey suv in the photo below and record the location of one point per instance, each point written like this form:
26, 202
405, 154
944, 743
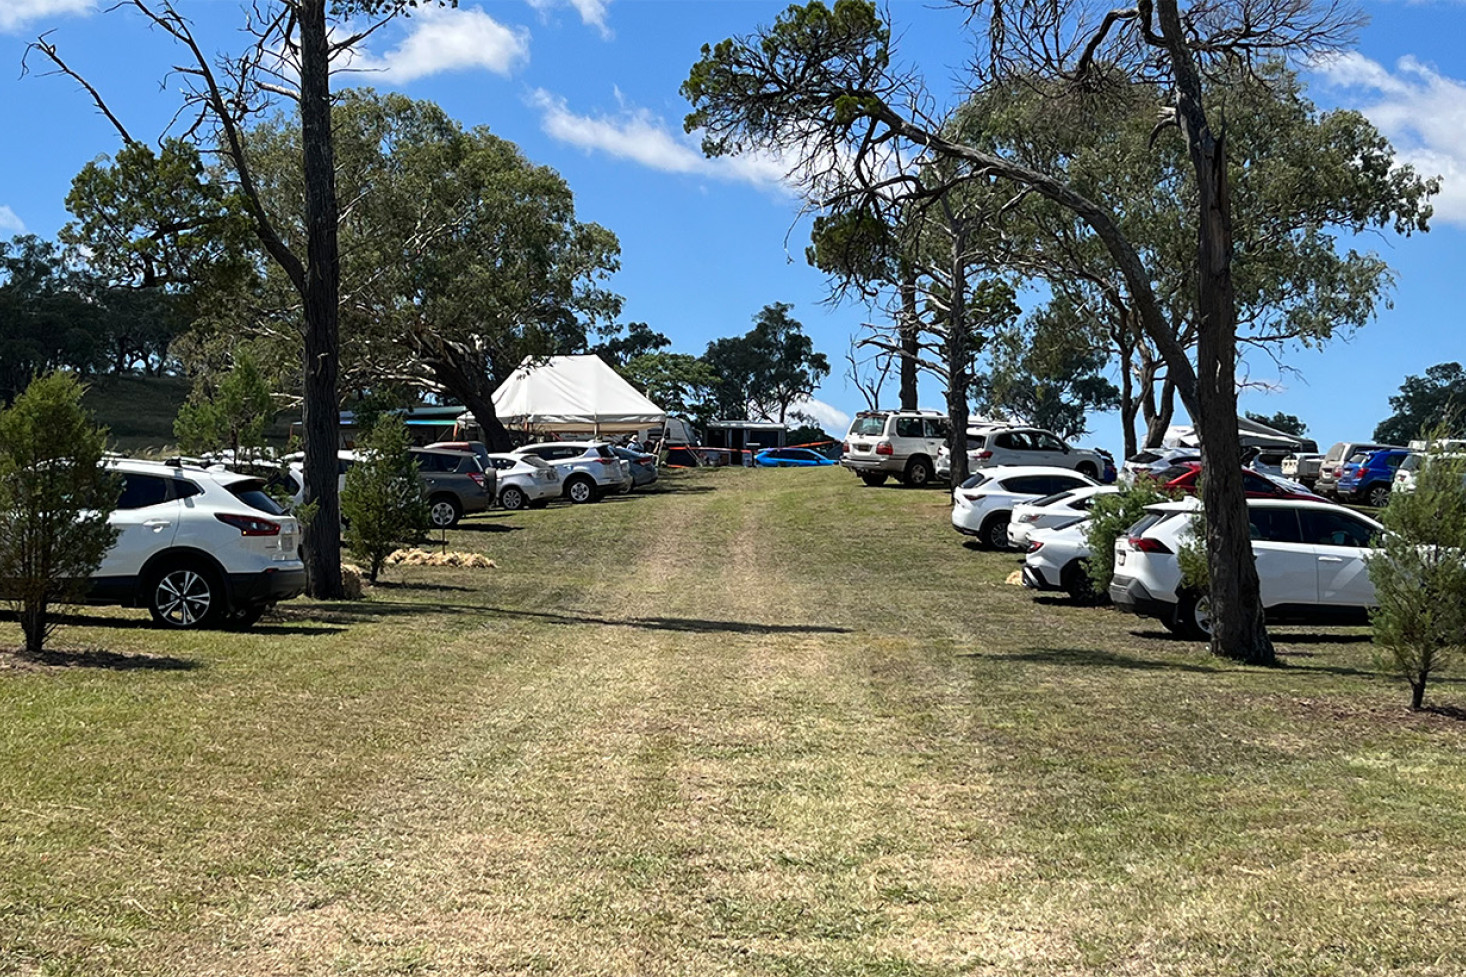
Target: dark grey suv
455, 484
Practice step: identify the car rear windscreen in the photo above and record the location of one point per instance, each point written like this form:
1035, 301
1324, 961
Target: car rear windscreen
252, 493
868, 426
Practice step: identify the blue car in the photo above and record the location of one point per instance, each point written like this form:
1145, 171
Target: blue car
1367, 477
790, 458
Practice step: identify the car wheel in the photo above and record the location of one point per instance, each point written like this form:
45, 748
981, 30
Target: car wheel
918, 472
244, 618
873, 478
512, 498
1379, 496
444, 511
1087, 469
186, 596
1076, 583
1193, 616
580, 490
994, 534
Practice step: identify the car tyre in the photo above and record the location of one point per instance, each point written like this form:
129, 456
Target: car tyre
1379, 496
1076, 583
512, 498
186, 596
994, 533
873, 479
444, 511
1087, 469
1193, 616
580, 490
918, 472
244, 618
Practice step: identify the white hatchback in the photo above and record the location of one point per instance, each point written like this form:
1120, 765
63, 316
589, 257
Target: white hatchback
982, 506
525, 480
1058, 559
1053, 512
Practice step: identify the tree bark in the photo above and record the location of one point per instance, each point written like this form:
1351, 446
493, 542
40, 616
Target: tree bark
1238, 627
321, 408
958, 355
1129, 407
33, 626
471, 384
909, 329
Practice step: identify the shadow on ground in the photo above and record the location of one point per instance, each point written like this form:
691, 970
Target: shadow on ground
1090, 657
108, 660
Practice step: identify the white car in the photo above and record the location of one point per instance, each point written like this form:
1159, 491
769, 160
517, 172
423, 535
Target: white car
902, 444
197, 547
983, 505
588, 469
525, 480
1311, 562
1000, 445
1053, 512
1058, 559
1153, 461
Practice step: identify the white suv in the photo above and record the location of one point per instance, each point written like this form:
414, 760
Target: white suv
1311, 562
900, 443
197, 547
983, 505
992, 445
588, 469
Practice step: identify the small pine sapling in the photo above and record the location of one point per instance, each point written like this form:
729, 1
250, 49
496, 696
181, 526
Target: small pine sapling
382, 503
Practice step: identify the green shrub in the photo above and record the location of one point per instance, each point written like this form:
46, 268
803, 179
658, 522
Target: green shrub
382, 503
1109, 518
1419, 574
55, 498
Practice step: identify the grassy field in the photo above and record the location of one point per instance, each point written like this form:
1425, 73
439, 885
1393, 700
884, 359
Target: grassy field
757, 722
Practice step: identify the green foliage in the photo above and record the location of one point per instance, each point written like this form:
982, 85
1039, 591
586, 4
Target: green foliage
1287, 423
676, 382
382, 503
1109, 518
1425, 403
1041, 375
619, 348
55, 497
231, 412
768, 369
1191, 557
1419, 573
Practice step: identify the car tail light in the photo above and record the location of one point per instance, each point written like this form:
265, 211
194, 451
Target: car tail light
608, 461
884, 448
984, 455
249, 525
1028, 517
1145, 544
971, 496
478, 478
844, 447
1034, 546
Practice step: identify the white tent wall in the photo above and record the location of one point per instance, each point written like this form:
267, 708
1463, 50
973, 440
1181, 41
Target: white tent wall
573, 394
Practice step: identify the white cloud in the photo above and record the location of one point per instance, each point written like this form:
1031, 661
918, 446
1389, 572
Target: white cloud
637, 135
15, 14
831, 419
592, 12
1421, 111
443, 39
9, 222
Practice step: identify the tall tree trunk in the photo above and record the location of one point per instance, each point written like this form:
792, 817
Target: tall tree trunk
321, 410
1160, 420
909, 328
33, 625
1129, 407
958, 368
474, 388
1238, 627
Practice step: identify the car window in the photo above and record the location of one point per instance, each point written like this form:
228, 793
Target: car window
141, 491
1146, 522
908, 427
184, 489
604, 450
1325, 528
1253, 482
252, 494
1059, 483
1051, 499
1274, 525
534, 461
1393, 461
1029, 485
868, 426
467, 464
1174, 472
1047, 442
974, 480
938, 427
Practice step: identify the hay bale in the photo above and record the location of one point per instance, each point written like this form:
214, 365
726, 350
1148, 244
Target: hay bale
353, 581
422, 558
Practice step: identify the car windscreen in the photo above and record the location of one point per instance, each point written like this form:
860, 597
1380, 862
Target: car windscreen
868, 426
1051, 499
252, 493
1174, 472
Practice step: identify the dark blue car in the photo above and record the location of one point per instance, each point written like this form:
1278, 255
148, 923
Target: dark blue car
1367, 477
790, 458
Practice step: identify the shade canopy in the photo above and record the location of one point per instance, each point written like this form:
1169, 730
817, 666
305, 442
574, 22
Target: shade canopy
573, 393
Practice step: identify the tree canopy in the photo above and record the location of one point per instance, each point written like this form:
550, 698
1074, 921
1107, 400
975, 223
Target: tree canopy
1424, 403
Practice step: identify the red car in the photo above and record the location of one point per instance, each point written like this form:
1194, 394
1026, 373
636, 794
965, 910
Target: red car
1183, 478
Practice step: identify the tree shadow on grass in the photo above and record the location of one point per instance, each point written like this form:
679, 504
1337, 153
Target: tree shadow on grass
1092, 657
109, 660
686, 624
405, 585
486, 527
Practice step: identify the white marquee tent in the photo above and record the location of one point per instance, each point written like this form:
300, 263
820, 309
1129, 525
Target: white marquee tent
573, 394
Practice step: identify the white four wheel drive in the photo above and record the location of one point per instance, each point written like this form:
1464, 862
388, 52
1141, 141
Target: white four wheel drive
1311, 563
588, 469
900, 444
197, 547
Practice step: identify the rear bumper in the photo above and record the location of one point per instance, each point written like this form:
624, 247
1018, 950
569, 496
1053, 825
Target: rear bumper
1130, 596
1034, 579
861, 464
267, 586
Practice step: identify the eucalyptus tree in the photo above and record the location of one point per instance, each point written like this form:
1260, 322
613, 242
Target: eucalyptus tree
292, 47
821, 85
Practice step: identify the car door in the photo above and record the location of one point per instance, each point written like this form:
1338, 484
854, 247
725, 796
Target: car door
1048, 450
938, 431
1285, 563
1341, 542
146, 519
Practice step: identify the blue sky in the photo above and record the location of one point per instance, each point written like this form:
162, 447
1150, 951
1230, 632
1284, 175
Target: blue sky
590, 87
